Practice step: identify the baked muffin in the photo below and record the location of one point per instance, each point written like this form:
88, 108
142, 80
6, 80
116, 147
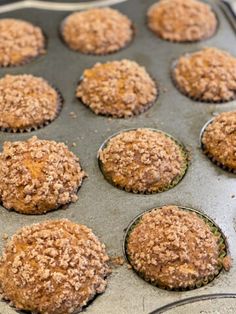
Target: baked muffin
207, 75
53, 267
219, 140
176, 249
182, 20
119, 89
143, 161
97, 31
20, 42
27, 102
37, 176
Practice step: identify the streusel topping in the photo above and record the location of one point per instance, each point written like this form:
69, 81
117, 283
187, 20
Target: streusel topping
143, 160
26, 101
38, 175
97, 31
182, 20
219, 139
207, 75
53, 267
20, 41
174, 248
118, 89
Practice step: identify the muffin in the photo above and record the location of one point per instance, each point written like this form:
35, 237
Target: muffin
219, 140
143, 161
97, 31
182, 20
37, 176
20, 42
176, 249
53, 267
27, 102
118, 89
207, 75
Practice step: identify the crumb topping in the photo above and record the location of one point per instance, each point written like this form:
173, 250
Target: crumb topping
26, 101
97, 31
38, 175
219, 139
182, 20
53, 267
119, 89
20, 41
207, 75
174, 248
143, 161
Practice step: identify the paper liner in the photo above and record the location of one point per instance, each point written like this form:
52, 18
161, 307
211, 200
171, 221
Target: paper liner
32, 128
222, 243
165, 188
137, 113
212, 158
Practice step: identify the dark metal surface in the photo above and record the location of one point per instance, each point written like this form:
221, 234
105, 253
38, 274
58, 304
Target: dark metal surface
104, 208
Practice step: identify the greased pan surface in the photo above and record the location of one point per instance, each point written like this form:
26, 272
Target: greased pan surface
104, 208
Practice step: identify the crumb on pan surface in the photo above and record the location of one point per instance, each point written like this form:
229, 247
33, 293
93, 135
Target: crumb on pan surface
219, 139
27, 101
118, 89
143, 161
97, 31
20, 41
175, 249
182, 20
37, 176
207, 75
54, 267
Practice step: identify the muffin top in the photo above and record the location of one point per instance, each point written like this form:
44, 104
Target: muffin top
38, 175
182, 20
174, 248
53, 267
143, 161
207, 75
118, 89
219, 139
20, 41
26, 101
97, 31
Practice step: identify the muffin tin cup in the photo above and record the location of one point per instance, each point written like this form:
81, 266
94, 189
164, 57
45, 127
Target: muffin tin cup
222, 242
212, 158
183, 92
176, 180
29, 129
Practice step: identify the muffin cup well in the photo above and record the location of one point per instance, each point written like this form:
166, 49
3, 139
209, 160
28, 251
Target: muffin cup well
175, 181
222, 244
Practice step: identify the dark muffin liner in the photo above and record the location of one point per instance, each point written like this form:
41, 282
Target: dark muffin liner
182, 91
212, 158
222, 243
127, 44
176, 180
32, 128
137, 113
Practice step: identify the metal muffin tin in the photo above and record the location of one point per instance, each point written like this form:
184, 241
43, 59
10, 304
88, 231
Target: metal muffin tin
104, 208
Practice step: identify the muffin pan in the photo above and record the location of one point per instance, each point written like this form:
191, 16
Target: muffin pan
102, 207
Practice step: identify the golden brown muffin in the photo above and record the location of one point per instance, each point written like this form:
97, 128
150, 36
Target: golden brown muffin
175, 249
37, 176
182, 20
97, 31
143, 161
54, 267
119, 89
27, 102
207, 75
20, 42
219, 140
